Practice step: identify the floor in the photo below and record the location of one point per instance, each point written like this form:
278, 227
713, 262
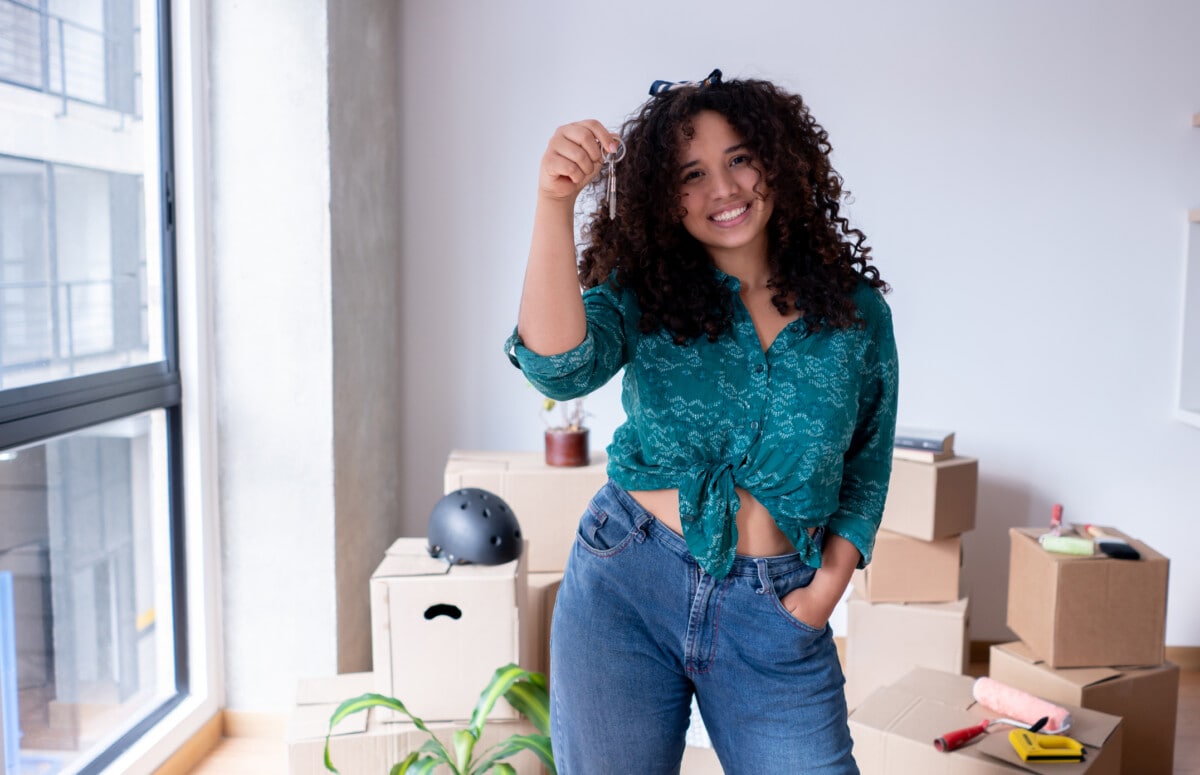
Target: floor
266, 756
245, 756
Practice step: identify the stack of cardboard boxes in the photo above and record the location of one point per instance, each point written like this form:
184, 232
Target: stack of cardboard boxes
1092, 632
907, 608
439, 632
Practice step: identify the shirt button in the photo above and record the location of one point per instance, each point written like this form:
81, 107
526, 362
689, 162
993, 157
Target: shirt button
754, 425
759, 369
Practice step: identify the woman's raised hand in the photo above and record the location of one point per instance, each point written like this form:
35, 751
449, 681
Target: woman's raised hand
573, 157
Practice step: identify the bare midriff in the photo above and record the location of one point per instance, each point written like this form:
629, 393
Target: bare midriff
758, 535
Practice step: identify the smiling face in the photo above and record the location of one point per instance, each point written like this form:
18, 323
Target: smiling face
717, 179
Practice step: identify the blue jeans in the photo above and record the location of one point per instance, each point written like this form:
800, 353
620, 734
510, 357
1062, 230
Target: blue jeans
638, 628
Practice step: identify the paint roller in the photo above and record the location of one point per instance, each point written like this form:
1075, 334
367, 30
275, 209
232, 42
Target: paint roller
1019, 709
1013, 703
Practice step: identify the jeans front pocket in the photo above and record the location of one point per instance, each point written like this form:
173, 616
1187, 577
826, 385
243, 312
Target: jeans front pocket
784, 583
607, 528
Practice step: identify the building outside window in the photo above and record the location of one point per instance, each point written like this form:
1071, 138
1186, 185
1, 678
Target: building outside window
92, 631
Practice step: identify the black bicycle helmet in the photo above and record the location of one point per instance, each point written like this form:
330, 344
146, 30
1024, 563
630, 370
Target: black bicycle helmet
475, 526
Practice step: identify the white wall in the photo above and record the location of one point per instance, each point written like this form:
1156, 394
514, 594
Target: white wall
273, 343
1022, 169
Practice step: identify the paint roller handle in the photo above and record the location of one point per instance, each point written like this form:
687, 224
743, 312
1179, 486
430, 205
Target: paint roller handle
960, 737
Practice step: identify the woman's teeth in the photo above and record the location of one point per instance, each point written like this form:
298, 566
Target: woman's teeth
729, 215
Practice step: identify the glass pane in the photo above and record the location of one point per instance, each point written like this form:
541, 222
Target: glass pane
80, 222
75, 286
85, 589
25, 309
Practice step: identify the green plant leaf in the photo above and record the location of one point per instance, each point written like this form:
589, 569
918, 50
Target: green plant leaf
435, 748
502, 680
402, 767
428, 764
464, 746
525, 690
532, 701
371, 700
361, 703
539, 744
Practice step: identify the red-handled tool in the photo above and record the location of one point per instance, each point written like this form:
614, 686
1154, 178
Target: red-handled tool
960, 737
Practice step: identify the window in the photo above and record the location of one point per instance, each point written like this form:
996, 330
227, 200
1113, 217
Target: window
92, 633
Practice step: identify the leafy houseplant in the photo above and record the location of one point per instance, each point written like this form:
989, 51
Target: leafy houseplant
566, 441
524, 690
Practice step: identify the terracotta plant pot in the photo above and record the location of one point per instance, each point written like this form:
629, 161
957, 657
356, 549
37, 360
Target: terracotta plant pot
567, 448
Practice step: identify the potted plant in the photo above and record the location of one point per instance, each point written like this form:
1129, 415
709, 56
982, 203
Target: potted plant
567, 438
524, 690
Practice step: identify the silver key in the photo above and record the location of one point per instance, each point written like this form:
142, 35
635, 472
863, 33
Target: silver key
610, 163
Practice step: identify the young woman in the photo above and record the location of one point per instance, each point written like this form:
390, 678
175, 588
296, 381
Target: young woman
748, 480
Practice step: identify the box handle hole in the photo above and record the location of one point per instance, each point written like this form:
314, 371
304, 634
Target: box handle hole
443, 609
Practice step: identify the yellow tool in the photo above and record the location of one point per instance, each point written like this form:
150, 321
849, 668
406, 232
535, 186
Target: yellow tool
1036, 747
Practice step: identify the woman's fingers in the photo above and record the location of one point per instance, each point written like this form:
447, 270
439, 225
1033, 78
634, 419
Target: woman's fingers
574, 156
592, 136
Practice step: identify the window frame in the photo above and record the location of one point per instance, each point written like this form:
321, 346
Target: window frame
31, 414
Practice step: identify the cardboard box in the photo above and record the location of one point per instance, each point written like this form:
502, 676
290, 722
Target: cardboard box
535, 620
1147, 698
334, 688
932, 500
886, 640
909, 570
439, 631
547, 500
1093, 611
895, 727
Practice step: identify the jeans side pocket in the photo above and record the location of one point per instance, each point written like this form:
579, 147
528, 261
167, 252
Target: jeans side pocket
783, 584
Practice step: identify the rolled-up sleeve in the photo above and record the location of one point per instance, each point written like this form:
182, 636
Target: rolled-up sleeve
867, 466
587, 366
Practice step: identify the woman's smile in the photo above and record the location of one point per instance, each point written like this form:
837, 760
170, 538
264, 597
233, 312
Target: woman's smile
727, 217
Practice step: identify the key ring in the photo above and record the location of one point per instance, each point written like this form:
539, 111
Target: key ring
617, 155
610, 162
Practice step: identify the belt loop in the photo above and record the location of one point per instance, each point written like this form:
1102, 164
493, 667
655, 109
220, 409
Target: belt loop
642, 525
764, 578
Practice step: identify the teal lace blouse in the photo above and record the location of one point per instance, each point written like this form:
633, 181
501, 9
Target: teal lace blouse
805, 427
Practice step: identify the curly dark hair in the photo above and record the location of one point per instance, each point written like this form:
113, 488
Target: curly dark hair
816, 260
